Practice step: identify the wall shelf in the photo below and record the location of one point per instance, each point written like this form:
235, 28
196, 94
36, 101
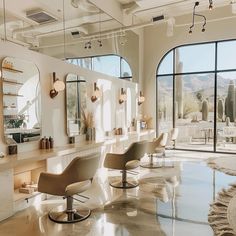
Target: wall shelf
13, 95
12, 70
11, 82
9, 107
24, 196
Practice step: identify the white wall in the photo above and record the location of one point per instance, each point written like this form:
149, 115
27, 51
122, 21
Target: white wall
53, 110
157, 44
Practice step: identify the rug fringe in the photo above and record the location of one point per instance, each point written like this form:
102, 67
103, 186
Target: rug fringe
218, 213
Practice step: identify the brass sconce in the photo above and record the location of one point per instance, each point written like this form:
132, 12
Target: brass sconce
122, 97
58, 86
141, 98
96, 93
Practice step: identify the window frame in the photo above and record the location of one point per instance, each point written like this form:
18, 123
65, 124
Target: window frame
104, 55
174, 74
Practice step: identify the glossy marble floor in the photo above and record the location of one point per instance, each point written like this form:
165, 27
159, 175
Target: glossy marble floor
171, 201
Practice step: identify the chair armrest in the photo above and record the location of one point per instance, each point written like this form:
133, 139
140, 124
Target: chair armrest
114, 161
52, 184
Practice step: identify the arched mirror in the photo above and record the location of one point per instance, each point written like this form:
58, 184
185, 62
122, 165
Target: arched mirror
21, 100
75, 103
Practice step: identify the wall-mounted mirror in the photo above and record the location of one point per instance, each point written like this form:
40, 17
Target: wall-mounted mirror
75, 103
21, 100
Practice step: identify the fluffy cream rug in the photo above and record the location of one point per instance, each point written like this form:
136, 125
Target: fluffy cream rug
224, 164
222, 214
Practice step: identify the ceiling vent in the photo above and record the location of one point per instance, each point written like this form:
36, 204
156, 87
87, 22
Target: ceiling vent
40, 16
75, 34
157, 18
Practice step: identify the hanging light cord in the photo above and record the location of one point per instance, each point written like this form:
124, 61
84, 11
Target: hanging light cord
199, 15
64, 30
4, 20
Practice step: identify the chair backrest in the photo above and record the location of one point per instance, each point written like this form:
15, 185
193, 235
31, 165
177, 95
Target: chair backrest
174, 134
136, 150
161, 140
82, 168
164, 140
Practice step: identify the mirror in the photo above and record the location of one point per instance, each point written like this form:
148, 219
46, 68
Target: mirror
75, 103
21, 100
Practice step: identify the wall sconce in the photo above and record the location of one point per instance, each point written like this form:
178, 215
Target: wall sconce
141, 98
58, 86
123, 96
96, 93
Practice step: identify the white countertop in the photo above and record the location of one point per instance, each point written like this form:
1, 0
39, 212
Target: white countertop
11, 161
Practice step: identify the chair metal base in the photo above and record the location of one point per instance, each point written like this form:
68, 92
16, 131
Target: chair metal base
60, 215
150, 165
124, 185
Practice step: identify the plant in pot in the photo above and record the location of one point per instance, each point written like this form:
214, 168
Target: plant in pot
17, 122
88, 125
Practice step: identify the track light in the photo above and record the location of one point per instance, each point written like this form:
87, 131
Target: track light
210, 4
88, 45
100, 43
199, 15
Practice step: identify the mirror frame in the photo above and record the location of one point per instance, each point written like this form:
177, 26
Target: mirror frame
39, 110
66, 95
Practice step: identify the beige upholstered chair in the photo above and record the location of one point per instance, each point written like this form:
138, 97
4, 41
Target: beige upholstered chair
157, 148
75, 179
126, 161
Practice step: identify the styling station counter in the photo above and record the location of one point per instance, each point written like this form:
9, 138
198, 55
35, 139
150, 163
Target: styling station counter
26, 167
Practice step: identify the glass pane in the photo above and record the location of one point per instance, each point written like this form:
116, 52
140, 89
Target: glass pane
166, 65
194, 111
109, 65
165, 103
195, 58
226, 112
82, 62
125, 69
226, 58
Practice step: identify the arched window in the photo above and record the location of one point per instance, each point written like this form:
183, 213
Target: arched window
196, 92
112, 65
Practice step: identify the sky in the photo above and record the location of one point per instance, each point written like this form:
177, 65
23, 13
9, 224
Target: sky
202, 58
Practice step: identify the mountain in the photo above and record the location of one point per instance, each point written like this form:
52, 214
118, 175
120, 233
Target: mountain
203, 83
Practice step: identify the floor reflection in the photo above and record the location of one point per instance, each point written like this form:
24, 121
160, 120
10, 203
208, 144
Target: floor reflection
169, 201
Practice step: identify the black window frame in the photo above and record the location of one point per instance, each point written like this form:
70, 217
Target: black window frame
120, 57
215, 72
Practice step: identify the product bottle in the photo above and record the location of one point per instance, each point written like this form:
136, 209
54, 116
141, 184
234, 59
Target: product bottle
47, 143
43, 143
51, 141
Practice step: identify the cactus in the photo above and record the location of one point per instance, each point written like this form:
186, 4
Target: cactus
179, 86
205, 110
230, 101
227, 121
220, 109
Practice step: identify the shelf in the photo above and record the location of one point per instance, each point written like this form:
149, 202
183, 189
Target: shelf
24, 196
13, 95
9, 107
11, 82
12, 70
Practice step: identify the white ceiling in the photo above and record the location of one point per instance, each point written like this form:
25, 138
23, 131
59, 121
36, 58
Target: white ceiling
91, 18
